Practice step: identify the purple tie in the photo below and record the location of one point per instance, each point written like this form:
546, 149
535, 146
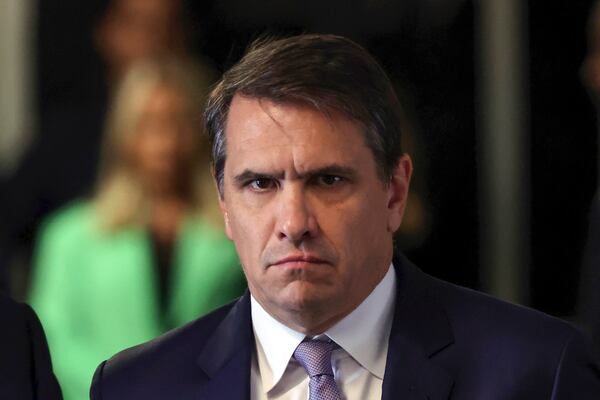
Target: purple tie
315, 357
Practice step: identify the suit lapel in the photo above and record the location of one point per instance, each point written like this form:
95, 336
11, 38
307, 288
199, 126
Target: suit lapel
420, 330
227, 356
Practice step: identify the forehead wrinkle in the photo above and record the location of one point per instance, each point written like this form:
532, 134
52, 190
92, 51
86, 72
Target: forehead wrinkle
266, 108
293, 128
301, 135
270, 108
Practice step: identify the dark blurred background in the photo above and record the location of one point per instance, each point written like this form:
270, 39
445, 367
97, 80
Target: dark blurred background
502, 130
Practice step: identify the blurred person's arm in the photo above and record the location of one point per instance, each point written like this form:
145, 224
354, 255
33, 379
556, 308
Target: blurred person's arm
209, 271
55, 297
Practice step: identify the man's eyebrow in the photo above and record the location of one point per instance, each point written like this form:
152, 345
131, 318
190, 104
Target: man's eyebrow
332, 169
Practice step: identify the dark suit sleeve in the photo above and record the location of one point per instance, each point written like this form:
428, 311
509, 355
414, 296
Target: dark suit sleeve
578, 373
589, 299
44, 381
96, 389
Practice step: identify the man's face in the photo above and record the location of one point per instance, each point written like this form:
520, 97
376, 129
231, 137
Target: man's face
310, 217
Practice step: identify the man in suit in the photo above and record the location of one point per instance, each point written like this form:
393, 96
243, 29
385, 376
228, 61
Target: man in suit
313, 184
25, 370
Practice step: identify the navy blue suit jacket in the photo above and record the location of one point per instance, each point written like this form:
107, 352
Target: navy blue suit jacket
25, 367
446, 342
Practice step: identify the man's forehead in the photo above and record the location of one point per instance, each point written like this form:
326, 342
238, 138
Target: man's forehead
289, 160
263, 119
245, 112
290, 140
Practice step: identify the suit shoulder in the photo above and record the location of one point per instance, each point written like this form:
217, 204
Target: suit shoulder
196, 332
23, 342
15, 313
71, 214
21, 326
18, 316
71, 222
521, 348
128, 371
473, 314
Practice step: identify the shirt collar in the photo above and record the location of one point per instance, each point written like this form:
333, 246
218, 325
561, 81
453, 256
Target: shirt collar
275, 343
363, 334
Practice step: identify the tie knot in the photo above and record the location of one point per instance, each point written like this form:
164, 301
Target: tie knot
315, 356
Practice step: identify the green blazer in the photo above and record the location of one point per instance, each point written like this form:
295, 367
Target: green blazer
96, 293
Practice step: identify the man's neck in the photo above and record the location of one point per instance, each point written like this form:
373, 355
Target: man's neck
310, 320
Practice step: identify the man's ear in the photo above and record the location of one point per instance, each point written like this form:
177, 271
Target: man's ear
398, 192
222, 203
223, 207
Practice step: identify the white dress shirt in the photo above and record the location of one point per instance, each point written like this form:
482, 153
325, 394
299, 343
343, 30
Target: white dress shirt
358, 364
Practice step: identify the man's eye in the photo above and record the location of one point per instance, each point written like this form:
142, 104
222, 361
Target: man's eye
261, 184
329, 180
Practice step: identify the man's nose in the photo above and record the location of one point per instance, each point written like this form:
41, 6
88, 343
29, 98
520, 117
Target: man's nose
296, 220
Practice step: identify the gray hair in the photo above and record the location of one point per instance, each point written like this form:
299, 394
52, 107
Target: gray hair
329, 73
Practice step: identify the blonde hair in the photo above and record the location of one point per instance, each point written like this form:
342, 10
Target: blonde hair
120, 198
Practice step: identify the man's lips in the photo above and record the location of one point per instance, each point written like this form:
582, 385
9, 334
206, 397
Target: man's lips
297, 260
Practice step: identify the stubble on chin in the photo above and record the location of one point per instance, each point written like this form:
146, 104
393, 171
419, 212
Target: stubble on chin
305, 307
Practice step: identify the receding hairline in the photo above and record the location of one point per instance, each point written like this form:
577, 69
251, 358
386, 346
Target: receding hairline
330, 114
330, 74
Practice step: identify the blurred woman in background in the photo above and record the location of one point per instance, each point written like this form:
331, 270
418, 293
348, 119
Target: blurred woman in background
147, 253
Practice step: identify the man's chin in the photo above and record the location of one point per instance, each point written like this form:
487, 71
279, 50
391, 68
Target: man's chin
303, 296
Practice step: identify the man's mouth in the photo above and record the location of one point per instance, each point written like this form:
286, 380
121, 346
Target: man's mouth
298, 261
